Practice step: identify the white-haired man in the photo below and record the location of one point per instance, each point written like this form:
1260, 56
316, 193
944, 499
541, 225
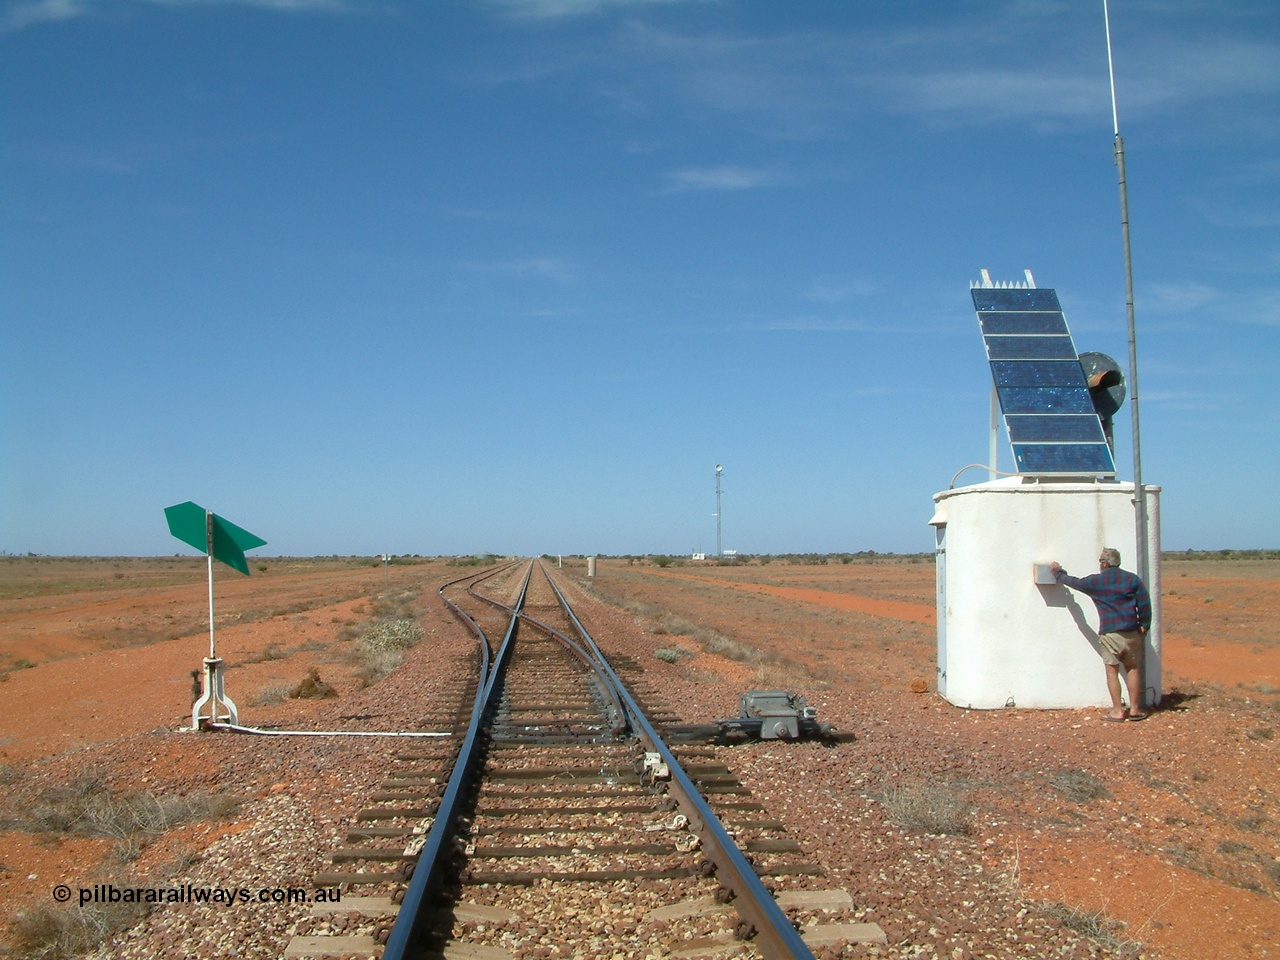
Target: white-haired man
1124, 617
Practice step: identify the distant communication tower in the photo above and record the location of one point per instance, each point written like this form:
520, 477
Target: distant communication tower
719, 549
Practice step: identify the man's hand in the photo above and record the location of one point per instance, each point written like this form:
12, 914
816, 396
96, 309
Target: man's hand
1055, 568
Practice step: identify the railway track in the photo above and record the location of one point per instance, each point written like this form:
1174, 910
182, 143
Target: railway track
557, 822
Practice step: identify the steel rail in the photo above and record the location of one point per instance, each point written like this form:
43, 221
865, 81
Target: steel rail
620, 721
428, 875
774, 933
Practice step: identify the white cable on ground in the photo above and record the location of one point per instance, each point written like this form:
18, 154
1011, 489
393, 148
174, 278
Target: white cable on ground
236, 728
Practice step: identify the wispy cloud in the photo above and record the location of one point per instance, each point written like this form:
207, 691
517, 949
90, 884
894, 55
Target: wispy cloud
719, 178
543, 268
827, 290
19, 15
559, 9
1045, 63
1196, 303
840, 324
1178, 297
814, 325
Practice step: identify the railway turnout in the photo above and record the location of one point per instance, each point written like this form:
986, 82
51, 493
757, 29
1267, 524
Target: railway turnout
557, 821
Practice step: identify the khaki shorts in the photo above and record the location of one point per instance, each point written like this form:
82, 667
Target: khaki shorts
1122, 647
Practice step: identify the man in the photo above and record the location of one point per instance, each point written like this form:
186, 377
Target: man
1124, 617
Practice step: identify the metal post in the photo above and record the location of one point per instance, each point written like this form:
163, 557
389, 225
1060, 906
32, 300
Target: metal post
1139, 494
1141, 560
208, 520
993, 440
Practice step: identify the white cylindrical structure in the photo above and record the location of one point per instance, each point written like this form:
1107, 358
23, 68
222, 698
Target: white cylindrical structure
1005, 639
591, 566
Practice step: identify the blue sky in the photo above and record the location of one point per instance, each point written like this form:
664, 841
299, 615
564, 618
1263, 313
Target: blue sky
516, 275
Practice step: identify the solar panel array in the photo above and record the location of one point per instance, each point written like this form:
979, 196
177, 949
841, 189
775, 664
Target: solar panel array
1049, 415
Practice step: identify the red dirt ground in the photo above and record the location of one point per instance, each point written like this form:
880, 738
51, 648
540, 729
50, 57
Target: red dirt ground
96, 653
1210, 754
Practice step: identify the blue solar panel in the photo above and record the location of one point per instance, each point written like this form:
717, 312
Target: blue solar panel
1016, 298
1049, 415
1038, 373
1040, 400
1064, 459
1022, 323
1065, 428
1031, 348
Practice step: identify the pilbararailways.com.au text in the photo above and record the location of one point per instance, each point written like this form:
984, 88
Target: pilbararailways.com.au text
190, 893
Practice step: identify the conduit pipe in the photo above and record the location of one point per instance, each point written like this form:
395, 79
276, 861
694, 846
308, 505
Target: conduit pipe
237, 728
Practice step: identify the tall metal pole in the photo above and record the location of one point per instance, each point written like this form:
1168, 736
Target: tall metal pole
1139, 494
719, 550
208, 532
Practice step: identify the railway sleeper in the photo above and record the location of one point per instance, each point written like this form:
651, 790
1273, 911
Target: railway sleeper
373, 854
739, 806
564, 774
621, 849
785, 845
547, 739
536, 831
403, 796
574, 794
589, 721
790, 870
576, 705
356, 834
443, 760
398, 813
616, 807
479, 878
725, 789
356, 878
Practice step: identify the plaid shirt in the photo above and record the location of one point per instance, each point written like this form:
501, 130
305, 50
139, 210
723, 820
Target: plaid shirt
1120, 596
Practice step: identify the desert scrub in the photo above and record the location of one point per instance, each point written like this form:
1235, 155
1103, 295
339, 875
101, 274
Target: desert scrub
313, 688
85, 807
923, 808
1094, 924
391, 633
673, 654
381, 645
1080, 786
60, 933
270, 695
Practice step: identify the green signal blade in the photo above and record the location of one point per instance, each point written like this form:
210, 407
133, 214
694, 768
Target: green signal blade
194, 525
230, 542
188, 522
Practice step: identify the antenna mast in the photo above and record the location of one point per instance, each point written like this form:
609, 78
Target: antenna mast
719, 550
1139, 494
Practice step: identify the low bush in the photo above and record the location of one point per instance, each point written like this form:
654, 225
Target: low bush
387, 633
60, 933
1095, 925
376, 664
1080, 786
924, 808
312, 688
